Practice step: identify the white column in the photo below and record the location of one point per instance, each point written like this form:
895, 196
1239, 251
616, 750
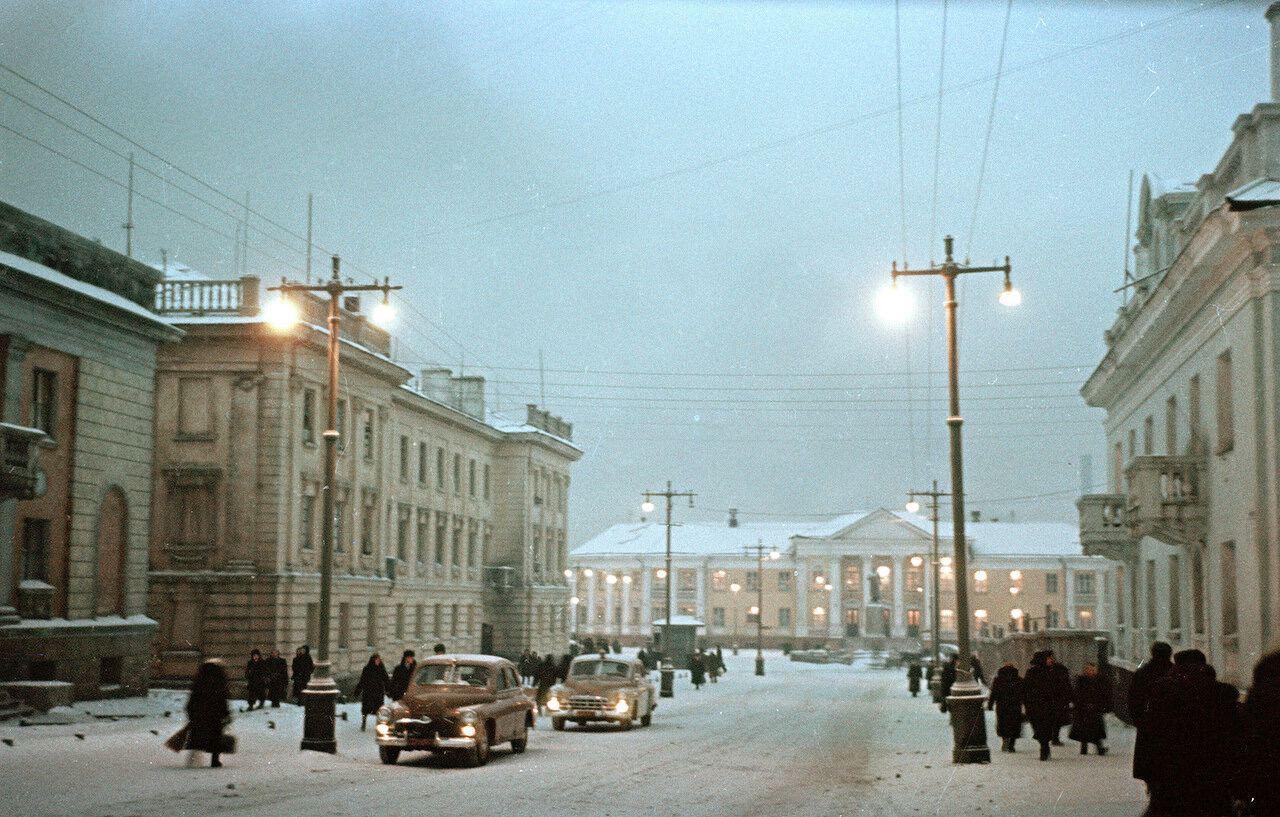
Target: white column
700, 597
646, 599
899, 615
835, 616
591, 603
1069, 598
1101, 618
801, 620
626, 604
926, 599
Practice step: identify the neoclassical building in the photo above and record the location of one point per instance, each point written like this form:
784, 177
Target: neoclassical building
1191, 385
450, 520
848, 579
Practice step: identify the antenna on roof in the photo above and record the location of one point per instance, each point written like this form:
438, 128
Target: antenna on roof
542, 382
1128, 236
128, 214
308, 238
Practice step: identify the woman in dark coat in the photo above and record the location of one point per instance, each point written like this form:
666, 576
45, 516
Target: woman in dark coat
1006, 700
562, 671
255, 678
372, 688
277, 678
1260, 772
1088, 706
303, 666
1040, 698
546, 675
207, 711
914, 673
698, 670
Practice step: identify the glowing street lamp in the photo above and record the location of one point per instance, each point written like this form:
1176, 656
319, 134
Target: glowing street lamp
913, 506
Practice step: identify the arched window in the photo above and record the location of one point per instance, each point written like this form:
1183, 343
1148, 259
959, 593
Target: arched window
113, 543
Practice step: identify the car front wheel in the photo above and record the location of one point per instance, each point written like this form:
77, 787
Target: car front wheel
479, 754
389, 754
518, 745
557, 724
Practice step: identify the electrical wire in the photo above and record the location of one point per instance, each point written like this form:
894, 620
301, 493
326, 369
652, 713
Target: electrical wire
937, 132
991, 119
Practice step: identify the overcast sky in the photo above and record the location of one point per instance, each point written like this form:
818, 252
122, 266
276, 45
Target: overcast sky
706, 190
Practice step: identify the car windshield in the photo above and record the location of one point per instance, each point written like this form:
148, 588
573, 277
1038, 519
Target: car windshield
468, 674
608, 669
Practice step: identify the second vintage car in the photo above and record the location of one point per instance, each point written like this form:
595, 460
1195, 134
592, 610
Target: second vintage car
603, 689
461, 704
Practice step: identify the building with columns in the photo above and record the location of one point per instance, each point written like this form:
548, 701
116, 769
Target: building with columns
1191, 385
854, 578
450, 519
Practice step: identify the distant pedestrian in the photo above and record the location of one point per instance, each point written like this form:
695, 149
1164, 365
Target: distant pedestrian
1040, 700
1006, 700
643, 658
402, 675
277, 678
914, 673
255, 679
720, 660
546, 673
946, 680
1062, 691
713, 665
562, 671
1141, 688
303, 666
588, 645
438, 649
697, 669
372, 687
975, 669
208, 713
1091, 701
1260, 775
523, 667
617, 647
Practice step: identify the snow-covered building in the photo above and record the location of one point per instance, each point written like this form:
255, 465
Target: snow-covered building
851, 577
450, 521
1191, 385
78, 344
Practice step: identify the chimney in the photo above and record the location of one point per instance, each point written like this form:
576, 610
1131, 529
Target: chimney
1273, 17
469, 395
733, 517
437, 385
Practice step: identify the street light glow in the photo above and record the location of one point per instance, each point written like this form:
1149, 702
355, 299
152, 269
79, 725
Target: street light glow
913, 507
916, 561
1010, 296
384, 314
775, 555
1015, 613
626, 579
1015, 575
646, 506
611, 579
588, 573
893, 304
568, 574
281, 313
735, 587
575, 601
660, 573
883, 571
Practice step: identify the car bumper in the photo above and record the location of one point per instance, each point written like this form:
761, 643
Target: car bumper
591, 715
425, 744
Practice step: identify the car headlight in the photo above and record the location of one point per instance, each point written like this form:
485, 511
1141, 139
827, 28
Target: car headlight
553, 704
468, 730
622, 707
467, 716
382, 728
384, 714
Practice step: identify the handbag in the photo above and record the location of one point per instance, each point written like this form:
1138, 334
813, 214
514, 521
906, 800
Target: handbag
227, 744
178, 740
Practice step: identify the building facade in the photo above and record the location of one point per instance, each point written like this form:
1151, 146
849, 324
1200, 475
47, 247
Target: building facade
78, 348
450, 524
1191, 386
858, 578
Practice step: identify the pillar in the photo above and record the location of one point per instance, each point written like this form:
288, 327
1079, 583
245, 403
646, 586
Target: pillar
835, 615
899, 615
646, 599
591, 602
1069, 598
801, 621
624, 625
700, 594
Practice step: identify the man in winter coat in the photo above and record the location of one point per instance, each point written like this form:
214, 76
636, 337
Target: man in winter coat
914, 673
1088, 710
402, 675
255, 679
372, 688
947, 679
697, 669
1140, 689
975, 669
1040, 698
1260, 776
277, 678
1063, 693
207, 711
303, 666
1006, 700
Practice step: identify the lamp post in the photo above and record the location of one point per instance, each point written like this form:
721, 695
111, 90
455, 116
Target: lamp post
321, 693
734, 588
760, 554
968, 722
935, 618
668, 671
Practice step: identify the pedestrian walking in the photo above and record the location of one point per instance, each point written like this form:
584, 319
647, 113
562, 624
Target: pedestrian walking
643, 658
1259, 783
522, 665
1092, 699
617, 647
697, 669
1040, 701
946, 680
546, 677
402, 675
720, 660
438, 649
255, 679
588, 645
713, 665
914, 673
1006, 700
277, 678
1141, 688
303, 666
372, 688
975, 670
562, 671
1063, 693
208, 714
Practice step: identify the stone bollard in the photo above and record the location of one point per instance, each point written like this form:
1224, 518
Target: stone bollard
668, 675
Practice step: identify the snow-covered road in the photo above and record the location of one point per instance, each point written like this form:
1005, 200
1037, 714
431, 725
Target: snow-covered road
806, 740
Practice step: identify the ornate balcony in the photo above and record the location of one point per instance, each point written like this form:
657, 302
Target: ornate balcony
19, 471
1166, 498
1102, 526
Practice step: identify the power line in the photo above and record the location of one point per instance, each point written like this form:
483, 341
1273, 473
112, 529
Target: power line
991, 119
937, 132
902, 161
650, 373
783, 389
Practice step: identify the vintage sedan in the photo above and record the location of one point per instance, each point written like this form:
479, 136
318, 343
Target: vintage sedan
460, 704
617, 690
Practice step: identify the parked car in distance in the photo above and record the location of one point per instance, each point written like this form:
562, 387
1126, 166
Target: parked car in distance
597, 688
461, 704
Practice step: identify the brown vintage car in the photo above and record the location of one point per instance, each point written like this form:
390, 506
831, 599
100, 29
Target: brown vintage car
463, 704
603, 689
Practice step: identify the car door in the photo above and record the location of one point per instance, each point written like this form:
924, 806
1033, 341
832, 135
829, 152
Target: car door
509, 713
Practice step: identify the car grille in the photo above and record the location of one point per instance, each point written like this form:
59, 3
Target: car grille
586, 702
417, 729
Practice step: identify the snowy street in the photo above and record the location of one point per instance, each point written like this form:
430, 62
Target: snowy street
805, 740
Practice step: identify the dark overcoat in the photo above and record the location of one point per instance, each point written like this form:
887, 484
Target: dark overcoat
1092, 696
1140, 689
372, 688
1006, 700
207, 709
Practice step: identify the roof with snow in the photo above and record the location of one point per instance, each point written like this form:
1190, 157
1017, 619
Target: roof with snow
87, 290
1257, 193
1024, 539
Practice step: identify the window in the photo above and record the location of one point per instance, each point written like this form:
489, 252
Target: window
785, 581
438, 618
457, 473
1133, 444
1193, 412
419, 620
1197, 592
457, 541
1120, 605
1117, 469
717, 616
1051, 583
342, 424
753, 581
453, 619
719, 580
1224, 402
947, 619
1230, 611
439, 469
753, 618
784, 618
688, 580
368, 519
1171, 426
818, 618
486, 481
400, 622
440, 538
471, 478
422, 543
1085, 615
473, 556
371, 625
1175, 593
307, 514
404, 458
35, 549
339, 523
402, 533
1084, 583
194, 416
980, 583
344, 625
422, 463
1148, 435
367, 434
308, 415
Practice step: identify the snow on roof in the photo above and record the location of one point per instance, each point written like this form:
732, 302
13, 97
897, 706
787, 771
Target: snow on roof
677, 621
97, 293
706, 539
1024, 539
1252, 195
178, 271
1160, 187
507, 425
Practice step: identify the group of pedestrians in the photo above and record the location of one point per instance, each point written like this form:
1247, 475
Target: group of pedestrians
704, 664
1048, 699
1199, 750
542, 673
267, 679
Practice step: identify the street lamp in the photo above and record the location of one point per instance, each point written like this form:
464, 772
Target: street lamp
321, 693
574, 601
668, 670
968, 722
761, 554
734, 588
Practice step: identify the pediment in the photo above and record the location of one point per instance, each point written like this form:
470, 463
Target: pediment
882, 525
